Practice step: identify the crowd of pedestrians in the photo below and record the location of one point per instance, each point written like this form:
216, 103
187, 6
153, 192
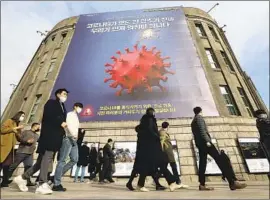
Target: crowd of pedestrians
59, 136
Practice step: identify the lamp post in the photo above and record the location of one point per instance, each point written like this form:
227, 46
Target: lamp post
213, 7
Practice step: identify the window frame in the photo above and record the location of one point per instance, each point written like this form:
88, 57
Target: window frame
50, 69
35, 105
246, 101
199, 26
213, 57
227, 61
229, 101
213, 32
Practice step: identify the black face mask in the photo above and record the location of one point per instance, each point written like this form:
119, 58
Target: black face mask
37, 130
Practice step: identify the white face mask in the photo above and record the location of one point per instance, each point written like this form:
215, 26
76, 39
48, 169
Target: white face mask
79, 110
63, 99
21, 119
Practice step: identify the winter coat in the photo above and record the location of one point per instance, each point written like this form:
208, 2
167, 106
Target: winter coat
7, 138
83, 156
166, 145
200, 131
149, 154
263, 126
52, 132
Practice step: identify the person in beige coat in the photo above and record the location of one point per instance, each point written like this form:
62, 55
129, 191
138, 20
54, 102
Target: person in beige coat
167, 148
10, 130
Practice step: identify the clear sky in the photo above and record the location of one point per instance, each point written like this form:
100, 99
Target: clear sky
247, 31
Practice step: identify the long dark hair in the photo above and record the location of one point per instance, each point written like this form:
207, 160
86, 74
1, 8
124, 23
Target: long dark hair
17, 116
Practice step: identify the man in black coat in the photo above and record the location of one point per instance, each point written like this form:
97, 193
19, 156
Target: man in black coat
149, 155
108, 156
52, 131
263, 125
205, 146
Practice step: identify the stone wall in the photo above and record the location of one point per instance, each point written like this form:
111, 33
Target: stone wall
225, 130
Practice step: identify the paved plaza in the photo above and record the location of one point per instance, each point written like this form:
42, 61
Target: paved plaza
255, 190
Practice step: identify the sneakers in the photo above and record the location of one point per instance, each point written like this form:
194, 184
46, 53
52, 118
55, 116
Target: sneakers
183, 186
238, 186
21, 183
129, 186
174, 186
44, 189
205, 188
59, 188
142, 189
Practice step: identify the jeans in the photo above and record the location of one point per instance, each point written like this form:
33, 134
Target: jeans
77, 173
27, 160
213, 152
69, 148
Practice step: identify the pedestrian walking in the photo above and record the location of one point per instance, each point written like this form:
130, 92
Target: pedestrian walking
150, 156
206, 147
50, 141
10, 131
93, 157
167, 148
24, 153
84, 151
106, 172
263, 125
69, 147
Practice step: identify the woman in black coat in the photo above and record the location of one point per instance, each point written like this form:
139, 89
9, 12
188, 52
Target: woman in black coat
83, 161
92, 161
149, 155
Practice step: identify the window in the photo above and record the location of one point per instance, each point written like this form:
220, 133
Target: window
44, 57
227, 61
212, 58
246, 101
34, 109
51, 68
53, 37
200, 30
37, 73
24, 101
213, 32
230, 103
63, 38
55, 53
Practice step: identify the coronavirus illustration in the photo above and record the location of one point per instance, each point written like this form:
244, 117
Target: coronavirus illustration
137, 70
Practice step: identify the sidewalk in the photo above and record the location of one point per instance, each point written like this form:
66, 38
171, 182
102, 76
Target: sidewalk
255, 190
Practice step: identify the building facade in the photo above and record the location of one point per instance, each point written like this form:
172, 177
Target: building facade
234, 94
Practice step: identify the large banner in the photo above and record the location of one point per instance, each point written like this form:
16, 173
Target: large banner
125, 157
211, 166
254, 155
120, 63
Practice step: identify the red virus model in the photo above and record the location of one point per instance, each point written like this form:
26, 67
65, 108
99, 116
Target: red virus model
137, 70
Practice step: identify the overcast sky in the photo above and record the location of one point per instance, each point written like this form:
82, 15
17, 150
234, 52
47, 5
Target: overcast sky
247, 31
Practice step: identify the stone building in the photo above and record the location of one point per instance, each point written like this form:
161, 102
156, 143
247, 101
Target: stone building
234, 94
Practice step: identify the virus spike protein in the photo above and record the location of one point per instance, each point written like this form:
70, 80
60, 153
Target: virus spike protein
140, 69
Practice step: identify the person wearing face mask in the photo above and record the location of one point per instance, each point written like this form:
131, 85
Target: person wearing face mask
50, 141
10, 131
263, 126
150, 155
24, 153
69, 147
205, 146
167, 148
